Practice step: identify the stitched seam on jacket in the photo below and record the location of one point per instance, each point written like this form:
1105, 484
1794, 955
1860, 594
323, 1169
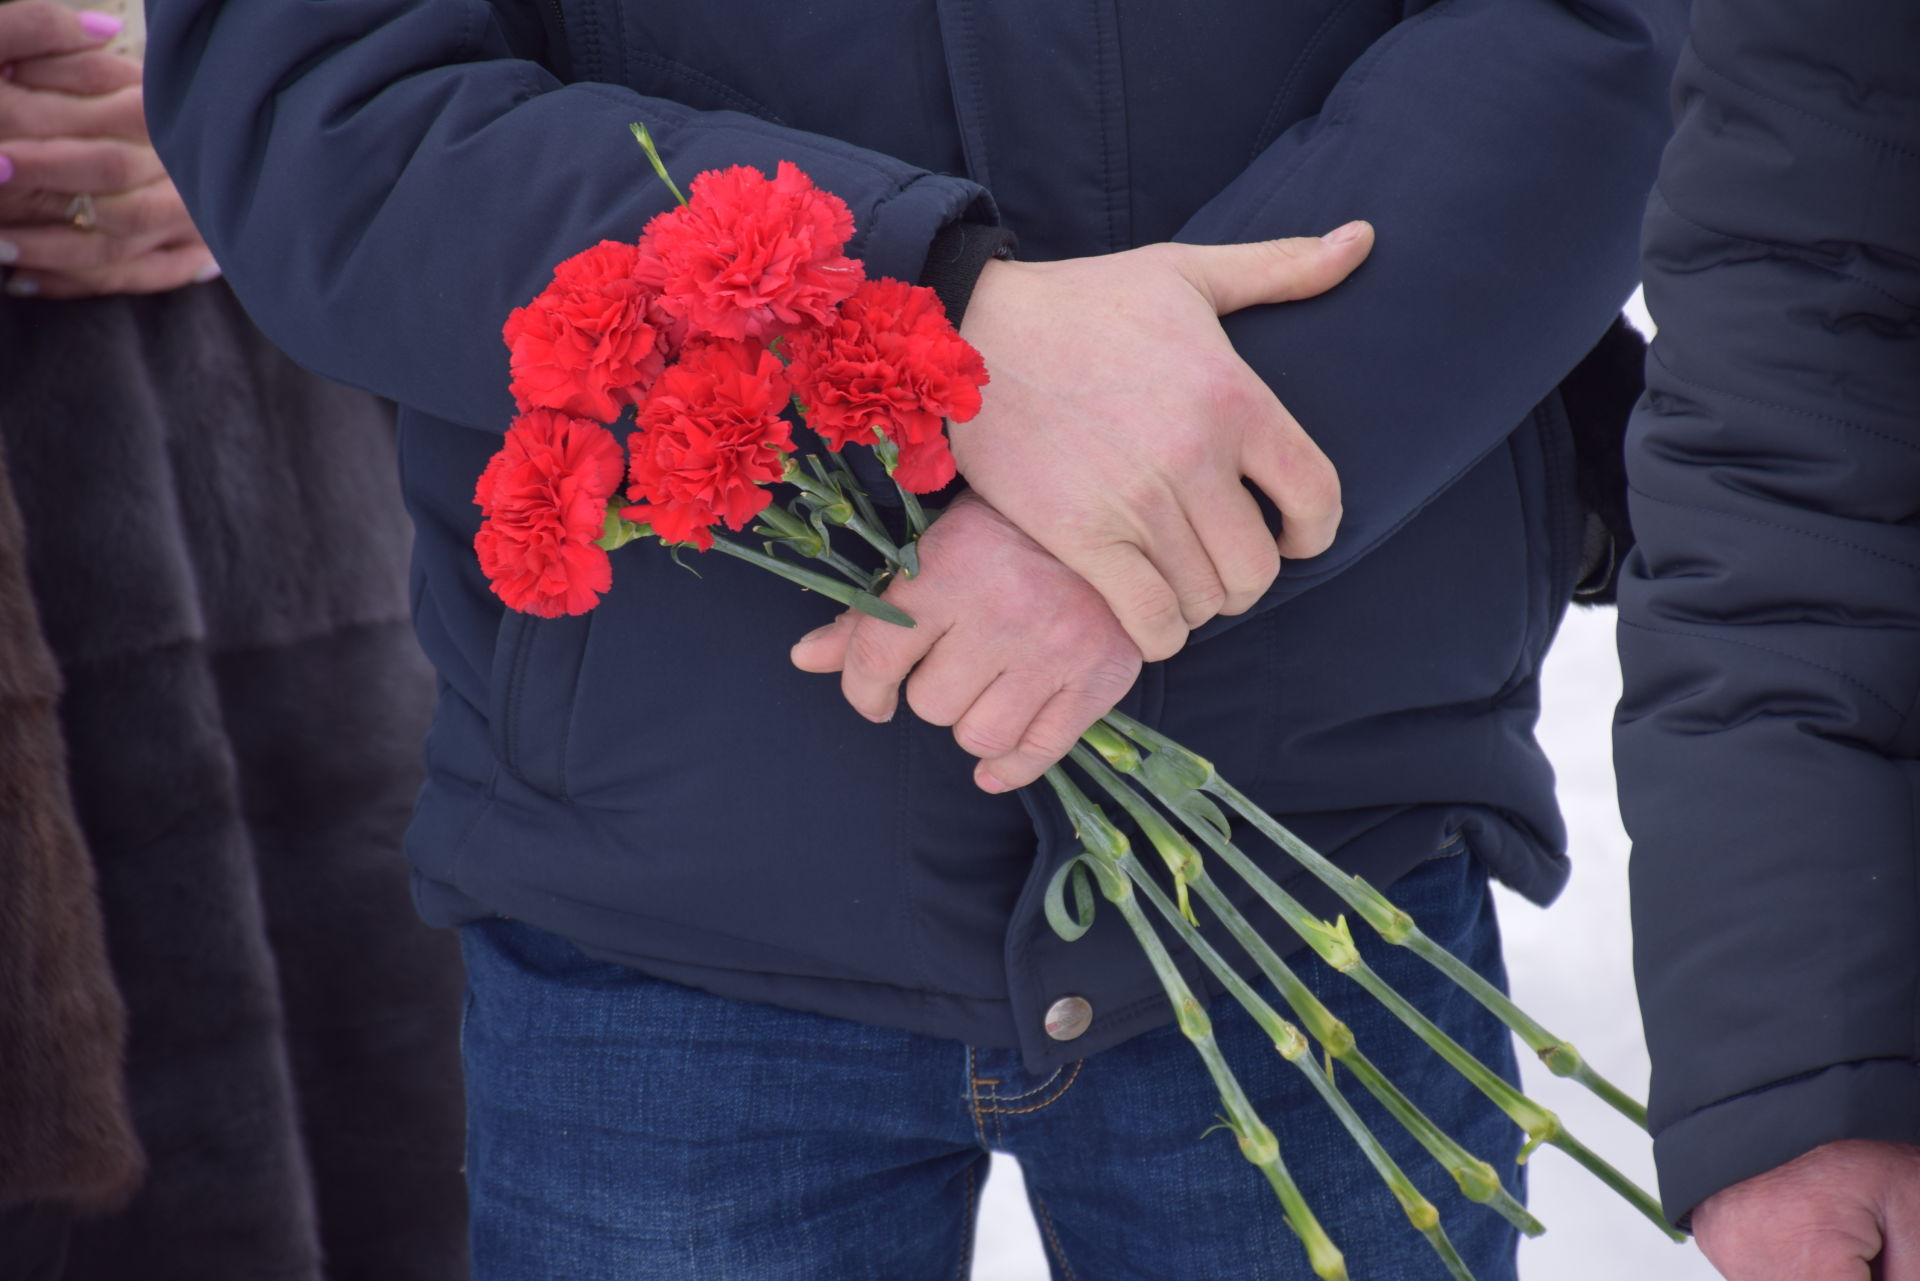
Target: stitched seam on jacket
1270, 127
750, 106
1337, 111
1790, 253
1836, 126
826, 146
1774, 524
1657, 358
1701, 634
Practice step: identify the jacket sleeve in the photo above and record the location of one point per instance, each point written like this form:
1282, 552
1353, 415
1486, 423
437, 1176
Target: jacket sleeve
1769, 758
384, 181
1504, 150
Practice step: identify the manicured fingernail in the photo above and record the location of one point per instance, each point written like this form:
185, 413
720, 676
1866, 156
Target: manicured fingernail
9, 252
21, 287
99, 25
209, 272
6, 169
1345, 235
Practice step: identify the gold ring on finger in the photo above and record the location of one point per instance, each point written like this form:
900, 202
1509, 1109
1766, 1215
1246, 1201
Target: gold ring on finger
80, 212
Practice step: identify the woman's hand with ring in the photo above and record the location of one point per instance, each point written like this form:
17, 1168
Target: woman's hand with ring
72, 126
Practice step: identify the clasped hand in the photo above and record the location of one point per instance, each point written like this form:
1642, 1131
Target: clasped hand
72, 124
1107, 513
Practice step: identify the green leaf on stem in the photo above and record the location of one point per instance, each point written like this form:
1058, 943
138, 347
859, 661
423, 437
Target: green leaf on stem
868, 603
645, 139
1070, 927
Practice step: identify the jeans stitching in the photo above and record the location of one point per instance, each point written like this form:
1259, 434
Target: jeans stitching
973, 1102
1015, 1098
1053, 1238
966, 1239
1044, 1103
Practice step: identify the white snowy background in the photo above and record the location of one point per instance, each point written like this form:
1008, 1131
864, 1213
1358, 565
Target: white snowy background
1571, 966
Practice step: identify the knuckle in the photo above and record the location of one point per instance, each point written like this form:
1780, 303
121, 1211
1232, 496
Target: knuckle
1045, 744
986, 737
1199, 603
872, 654
933, 703
1109, 678
116, 169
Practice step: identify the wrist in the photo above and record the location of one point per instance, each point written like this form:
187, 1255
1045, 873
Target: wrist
958, 257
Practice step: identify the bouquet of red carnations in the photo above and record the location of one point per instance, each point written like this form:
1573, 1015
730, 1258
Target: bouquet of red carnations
739, 305
734, 306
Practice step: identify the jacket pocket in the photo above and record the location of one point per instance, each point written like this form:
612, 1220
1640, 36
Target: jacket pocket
535, 683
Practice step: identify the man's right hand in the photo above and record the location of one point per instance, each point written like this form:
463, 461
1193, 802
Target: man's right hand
1120, 422
1846, 1211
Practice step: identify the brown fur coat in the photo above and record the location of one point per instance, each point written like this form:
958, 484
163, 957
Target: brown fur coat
64, 1123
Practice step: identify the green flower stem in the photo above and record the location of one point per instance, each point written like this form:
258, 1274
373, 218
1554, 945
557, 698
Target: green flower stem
1294, 1048
846, 505
858, 492
1396, 927
847, 594
1475, 1178
916, 514
1335, 946
1257, 1142
877, 539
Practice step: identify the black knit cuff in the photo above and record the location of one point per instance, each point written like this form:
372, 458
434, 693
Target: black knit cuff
959, 253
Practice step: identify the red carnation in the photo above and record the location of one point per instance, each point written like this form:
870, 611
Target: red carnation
709, 437
889, 362
587, 345
751, 257
544, 498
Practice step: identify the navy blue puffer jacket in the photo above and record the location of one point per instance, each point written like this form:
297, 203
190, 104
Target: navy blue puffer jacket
1768, 748
385, 179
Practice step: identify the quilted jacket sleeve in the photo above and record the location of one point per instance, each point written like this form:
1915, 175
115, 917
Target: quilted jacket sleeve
1769, 757
1504, 150
381, 180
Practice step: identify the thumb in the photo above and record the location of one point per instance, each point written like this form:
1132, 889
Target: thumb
824, 649
1236, 276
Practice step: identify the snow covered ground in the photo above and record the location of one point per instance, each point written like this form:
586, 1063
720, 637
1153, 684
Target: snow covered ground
1569, 962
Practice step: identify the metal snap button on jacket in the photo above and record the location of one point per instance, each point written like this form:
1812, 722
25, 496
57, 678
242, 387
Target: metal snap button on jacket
1068, 1017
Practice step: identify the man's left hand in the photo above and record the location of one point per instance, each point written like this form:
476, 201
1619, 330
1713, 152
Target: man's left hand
1011, 648
1847, 1211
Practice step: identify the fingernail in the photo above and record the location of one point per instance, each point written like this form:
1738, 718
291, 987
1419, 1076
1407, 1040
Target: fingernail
21, 287
9, 252
1345, 235
818, 633
6, 72
209, 272
6, 169
987, 782
99, 25
882, 720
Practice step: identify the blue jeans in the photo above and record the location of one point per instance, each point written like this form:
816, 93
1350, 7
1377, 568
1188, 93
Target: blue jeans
628, 1129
